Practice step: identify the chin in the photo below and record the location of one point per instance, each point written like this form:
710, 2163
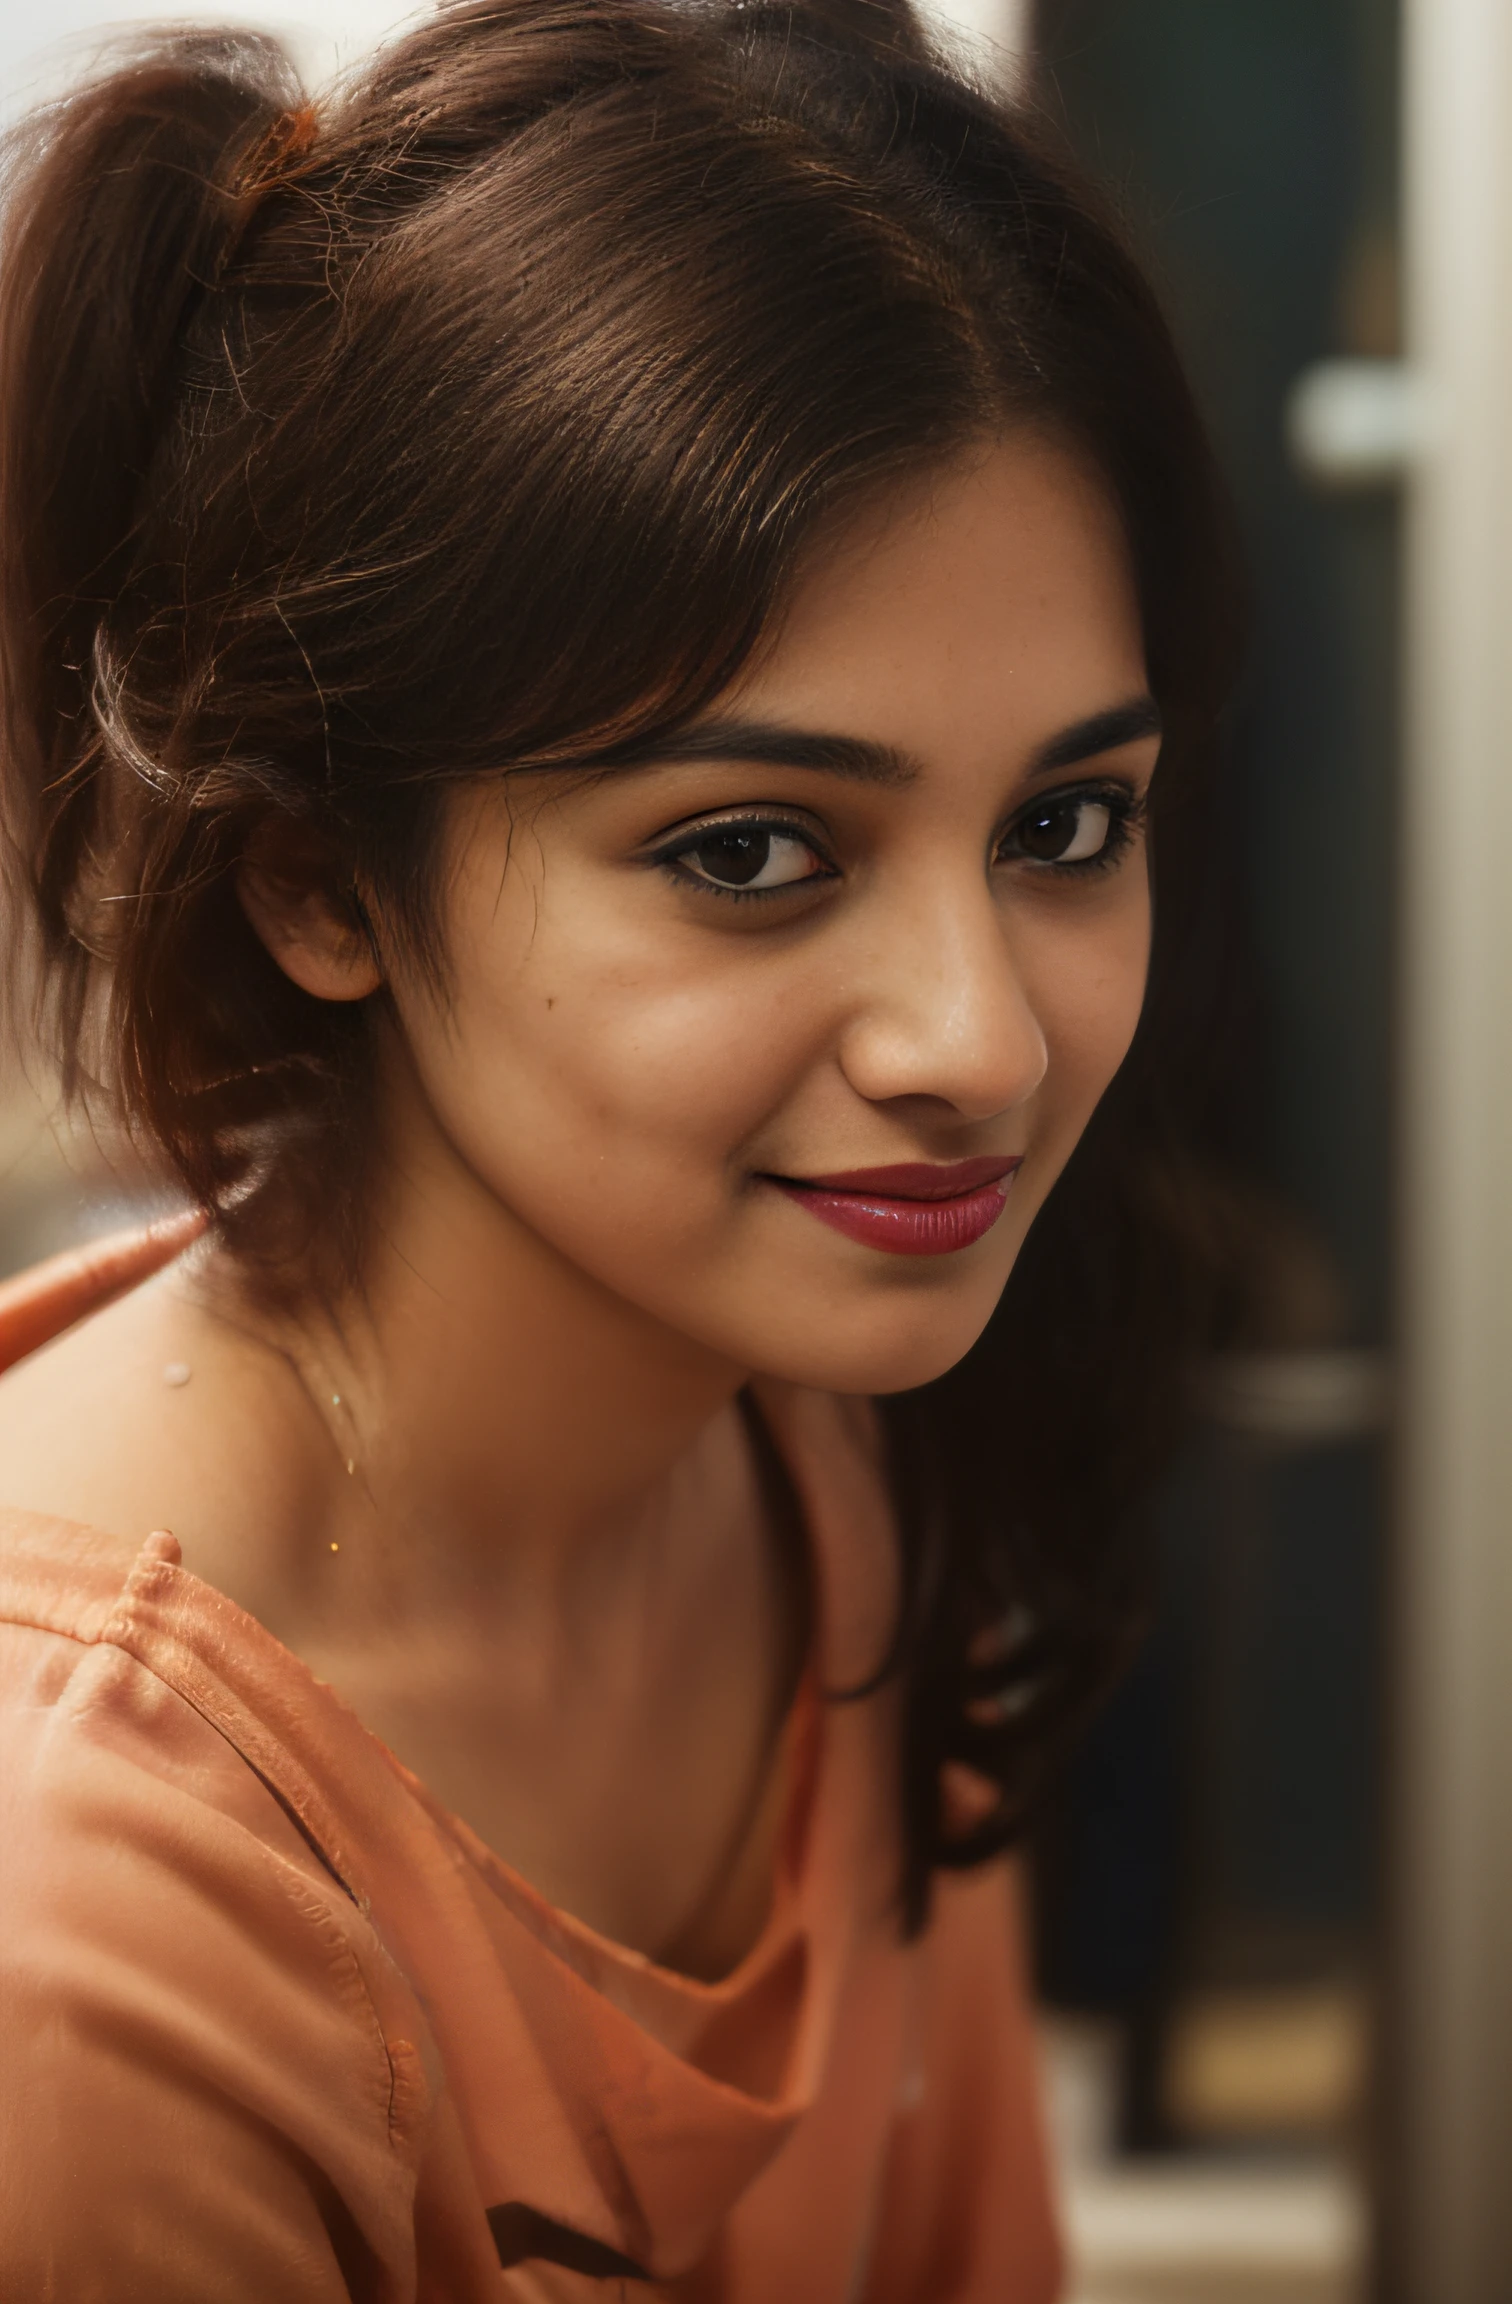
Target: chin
876, 1356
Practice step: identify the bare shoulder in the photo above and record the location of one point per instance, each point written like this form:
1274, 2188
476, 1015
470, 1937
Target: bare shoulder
151, 1414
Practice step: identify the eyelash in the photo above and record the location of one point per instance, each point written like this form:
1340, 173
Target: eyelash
783, 827
1126, 812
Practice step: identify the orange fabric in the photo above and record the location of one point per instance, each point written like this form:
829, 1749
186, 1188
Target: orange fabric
276, 2026
34, 1307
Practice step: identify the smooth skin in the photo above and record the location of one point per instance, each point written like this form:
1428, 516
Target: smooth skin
547, 1579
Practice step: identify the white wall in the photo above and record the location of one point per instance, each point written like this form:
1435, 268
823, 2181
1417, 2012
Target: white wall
39, 48
1002, 25
37, 44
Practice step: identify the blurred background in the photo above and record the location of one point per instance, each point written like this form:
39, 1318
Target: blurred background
1209, 1878
1277, 2004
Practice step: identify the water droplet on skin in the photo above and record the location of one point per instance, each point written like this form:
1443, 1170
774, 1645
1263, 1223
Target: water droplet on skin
335, 1547
335, 1399
177, 1372
351, 1464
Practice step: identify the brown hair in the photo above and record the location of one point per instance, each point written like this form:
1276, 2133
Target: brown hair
476, 421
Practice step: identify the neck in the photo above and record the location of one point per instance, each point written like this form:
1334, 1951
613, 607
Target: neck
503, 1413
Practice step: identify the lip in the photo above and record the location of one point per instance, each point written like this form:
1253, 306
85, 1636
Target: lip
918, 1208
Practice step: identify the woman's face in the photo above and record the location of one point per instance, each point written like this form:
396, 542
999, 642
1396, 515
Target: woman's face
785, 1037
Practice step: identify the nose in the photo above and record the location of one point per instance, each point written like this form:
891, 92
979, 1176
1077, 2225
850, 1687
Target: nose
941, 1010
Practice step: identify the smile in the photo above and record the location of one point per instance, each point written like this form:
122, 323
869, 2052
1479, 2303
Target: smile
917, 1209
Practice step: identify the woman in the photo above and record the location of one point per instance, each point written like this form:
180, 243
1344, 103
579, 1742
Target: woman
587, 630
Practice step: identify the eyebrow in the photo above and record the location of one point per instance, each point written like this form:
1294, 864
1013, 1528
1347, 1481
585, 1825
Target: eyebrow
1128, 723
768, 744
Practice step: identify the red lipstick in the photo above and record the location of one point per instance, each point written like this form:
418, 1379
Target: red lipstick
920, 1208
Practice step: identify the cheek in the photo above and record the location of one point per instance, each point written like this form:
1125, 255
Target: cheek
1088, 992
674, 1072
569, 1058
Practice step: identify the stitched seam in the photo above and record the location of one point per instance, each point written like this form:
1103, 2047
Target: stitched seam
333, 1939
293, 1888
123, 1628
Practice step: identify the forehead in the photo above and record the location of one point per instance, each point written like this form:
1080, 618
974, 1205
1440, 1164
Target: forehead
992, 599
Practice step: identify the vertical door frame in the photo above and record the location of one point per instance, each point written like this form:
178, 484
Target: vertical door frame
1446, 2189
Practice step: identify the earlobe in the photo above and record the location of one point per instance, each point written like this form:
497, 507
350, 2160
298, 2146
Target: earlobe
284, 888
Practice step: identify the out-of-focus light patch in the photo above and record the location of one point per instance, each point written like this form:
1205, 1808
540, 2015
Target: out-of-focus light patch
1268, 2063
1357, 423
1335, 1394
998, 30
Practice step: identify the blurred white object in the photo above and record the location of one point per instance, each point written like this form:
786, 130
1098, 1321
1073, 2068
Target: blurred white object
1081, 2064
1356, 423
1186, 2231
1197, 2234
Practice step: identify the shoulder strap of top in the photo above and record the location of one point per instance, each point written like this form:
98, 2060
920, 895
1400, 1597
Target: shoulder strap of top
38, 1305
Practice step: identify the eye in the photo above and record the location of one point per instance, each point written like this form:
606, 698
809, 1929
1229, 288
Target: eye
747, 858
1072, 830
1075, 832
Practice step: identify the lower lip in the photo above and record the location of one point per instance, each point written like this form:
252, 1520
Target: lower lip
904, 1227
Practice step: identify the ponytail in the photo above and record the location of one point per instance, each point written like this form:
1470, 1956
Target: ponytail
122, 204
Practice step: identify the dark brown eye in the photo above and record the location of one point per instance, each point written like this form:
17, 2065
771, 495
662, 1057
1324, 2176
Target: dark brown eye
1070, 831
748, 856
735, 858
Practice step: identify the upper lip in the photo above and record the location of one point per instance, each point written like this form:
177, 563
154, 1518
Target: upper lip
917, 1179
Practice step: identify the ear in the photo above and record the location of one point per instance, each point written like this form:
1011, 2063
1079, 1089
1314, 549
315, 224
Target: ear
288, 885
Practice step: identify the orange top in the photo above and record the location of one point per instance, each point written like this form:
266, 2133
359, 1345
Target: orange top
279, 2027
